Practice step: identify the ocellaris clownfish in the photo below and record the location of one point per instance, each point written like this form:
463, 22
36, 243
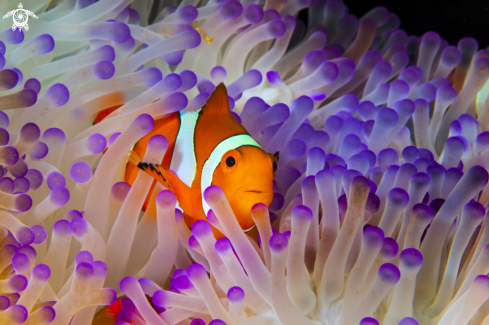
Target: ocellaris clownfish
208, 147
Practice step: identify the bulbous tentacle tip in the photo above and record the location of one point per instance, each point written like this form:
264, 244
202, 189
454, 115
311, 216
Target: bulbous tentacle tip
398, 197
302, 212
303, 103
24, 235
192, 38
20, 262
54, 134
474, 210
59, 195
259, 210
222, 246
128, 284
62, 228
120, 190
477, 175
374, 235
45, 314
390, 247
231, 10
201, 229
431, 39
104, 69
369, 321
84, 271
196, 271
235, 294
423, 211
12, 37
100, 269
78, 227
160, 298
43, 43
27, 97
178, 101
4, 137
8, 79
30, 132
55, 179
389, 273
166, 199
188, 13
4, 302
9, 155
145, 122
81, 172
119, 32
411, 258
408, 321
17, 283
278, 242
217, 322
107, 52
40, 234
41, 272
110, 296
23, 202
17, 314
359, 186
213, 193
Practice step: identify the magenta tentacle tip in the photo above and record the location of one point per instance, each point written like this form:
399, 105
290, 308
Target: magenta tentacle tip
196, 272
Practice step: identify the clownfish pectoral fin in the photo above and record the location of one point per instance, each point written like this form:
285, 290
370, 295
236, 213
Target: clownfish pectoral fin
159, 173
182, 191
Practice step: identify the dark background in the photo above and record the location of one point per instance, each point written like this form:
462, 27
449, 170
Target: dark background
452, 19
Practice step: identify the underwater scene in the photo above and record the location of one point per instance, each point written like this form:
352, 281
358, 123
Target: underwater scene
225, 162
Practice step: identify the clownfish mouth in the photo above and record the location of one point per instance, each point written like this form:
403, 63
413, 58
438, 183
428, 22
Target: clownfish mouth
253, 191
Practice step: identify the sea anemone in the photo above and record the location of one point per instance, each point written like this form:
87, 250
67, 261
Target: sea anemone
379, 206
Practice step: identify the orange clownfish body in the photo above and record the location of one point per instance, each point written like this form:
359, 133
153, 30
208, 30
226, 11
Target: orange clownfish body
209, 147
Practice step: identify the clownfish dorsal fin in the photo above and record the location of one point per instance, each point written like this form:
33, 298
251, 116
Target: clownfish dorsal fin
218, 103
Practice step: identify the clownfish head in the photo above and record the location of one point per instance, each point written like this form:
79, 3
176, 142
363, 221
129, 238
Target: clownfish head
246, 175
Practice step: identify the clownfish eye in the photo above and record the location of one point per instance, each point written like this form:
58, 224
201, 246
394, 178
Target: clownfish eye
230, 161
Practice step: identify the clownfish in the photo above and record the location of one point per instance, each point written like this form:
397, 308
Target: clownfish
205, 147
208, 147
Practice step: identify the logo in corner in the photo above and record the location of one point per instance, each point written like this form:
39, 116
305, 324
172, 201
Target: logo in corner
20, 17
